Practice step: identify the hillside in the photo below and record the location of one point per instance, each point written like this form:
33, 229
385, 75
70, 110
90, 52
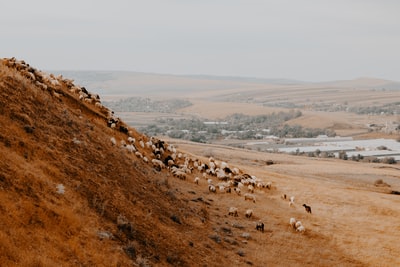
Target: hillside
70, 196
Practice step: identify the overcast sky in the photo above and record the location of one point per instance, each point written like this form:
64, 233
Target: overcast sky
310, 40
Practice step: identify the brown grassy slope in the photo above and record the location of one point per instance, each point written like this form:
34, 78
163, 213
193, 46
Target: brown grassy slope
40, 227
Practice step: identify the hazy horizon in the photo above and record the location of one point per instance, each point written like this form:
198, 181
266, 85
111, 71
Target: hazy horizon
305, 40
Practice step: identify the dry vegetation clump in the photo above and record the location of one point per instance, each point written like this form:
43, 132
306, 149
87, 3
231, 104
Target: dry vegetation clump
381, 183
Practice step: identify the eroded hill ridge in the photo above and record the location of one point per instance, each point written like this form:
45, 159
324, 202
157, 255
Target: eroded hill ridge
78, 187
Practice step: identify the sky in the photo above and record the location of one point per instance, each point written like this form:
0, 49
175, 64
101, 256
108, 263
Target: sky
307, 40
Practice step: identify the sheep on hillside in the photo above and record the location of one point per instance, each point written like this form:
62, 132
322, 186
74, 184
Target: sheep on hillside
249, 213
308, 208
233, 211
250, 197
260, 226
292, 223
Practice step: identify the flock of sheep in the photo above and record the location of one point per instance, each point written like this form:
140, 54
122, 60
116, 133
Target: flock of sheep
219, 176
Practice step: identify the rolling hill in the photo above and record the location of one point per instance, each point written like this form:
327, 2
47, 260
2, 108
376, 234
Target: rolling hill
72, 194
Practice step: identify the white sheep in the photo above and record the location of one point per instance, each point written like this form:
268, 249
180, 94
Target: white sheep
301, 229
298, 224
291, 201
237, 190
250, 188
250, 197
233, 211
211, 188
221, 188
158, 163
113, 141
196, 180
292, 223
249, 213
130, 148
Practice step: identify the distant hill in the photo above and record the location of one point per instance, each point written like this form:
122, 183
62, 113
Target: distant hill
116, 85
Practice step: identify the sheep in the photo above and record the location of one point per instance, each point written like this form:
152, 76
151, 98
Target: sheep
250, 197
180, 174
237, 190
283, 196
113, 141
196, 180
221, 188
260, 226
250, 188
308, 208
145, 159
292, 223
249, 213
291, 202
158, 163
212, 189
233, 211
298, 224
130, 148
301, 229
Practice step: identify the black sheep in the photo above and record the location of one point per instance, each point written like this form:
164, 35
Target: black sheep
308, 208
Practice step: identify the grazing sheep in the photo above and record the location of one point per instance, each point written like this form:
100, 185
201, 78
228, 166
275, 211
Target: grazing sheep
250, 188
291, 202
250, 197
301, 229
308, 208
249, 213
158, 163
212, 188
221, 188
233, 211
292, 223
130, 148
260, 226
180, 174
283, 196
113, 141
196, 180
298, 224
237, 190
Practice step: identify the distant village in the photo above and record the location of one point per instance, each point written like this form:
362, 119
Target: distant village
267, 133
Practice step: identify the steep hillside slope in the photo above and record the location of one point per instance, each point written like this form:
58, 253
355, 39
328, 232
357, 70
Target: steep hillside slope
71, 194
65, 190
